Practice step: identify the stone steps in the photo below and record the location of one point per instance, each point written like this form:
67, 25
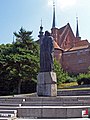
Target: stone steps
46, 101
46, 107
57, 104
73, 92
34, 101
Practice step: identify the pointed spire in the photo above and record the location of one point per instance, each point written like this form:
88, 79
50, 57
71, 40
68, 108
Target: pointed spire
77, 29
41, 30
53, 24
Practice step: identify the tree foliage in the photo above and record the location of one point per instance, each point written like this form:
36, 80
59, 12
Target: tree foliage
19, 61
61, 75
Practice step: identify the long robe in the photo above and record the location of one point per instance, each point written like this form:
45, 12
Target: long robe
46, 54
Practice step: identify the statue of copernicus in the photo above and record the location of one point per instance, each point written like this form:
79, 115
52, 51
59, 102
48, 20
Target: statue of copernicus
46, 53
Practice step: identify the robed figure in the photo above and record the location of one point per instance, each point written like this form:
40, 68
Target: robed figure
46, 53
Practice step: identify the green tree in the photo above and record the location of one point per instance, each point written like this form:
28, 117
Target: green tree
23, 36
27, 59
4, 64
19, 61
61, 75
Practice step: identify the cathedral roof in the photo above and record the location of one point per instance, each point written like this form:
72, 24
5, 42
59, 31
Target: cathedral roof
65, 28
64, 31
56, 46
79, 47
81, 43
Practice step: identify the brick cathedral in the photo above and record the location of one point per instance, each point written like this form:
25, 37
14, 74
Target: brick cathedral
70, 50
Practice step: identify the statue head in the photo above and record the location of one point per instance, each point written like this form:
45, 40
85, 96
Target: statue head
47, 33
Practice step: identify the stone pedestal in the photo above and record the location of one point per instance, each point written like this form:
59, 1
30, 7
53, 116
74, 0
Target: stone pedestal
47, 84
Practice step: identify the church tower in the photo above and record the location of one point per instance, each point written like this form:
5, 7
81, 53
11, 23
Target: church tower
53, 24
54, 30
77, 29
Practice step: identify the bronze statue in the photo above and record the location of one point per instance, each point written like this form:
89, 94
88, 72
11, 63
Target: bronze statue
46, 53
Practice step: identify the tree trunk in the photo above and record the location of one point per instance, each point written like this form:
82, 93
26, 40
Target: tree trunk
19, 86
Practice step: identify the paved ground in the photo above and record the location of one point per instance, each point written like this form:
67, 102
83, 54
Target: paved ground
44, 119
62, 119
12, 103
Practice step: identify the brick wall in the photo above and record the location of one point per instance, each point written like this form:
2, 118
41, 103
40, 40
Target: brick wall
58, 55
76, 61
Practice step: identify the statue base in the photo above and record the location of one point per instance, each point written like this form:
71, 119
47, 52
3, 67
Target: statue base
46, 84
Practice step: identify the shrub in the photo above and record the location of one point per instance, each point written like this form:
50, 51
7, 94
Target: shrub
61, 74
83, 79
70, 79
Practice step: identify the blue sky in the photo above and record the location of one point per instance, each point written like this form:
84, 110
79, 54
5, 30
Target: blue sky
15, 14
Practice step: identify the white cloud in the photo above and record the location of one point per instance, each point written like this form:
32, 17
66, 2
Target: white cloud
63, 4
50, 2
66, 3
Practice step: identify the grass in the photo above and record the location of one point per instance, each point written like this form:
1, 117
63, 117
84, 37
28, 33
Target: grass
67, 85
72, 86
67, 89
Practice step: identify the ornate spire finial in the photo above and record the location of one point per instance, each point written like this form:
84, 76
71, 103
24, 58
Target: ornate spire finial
53, 24
41, 21
53, 3
41, 30
77, 30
